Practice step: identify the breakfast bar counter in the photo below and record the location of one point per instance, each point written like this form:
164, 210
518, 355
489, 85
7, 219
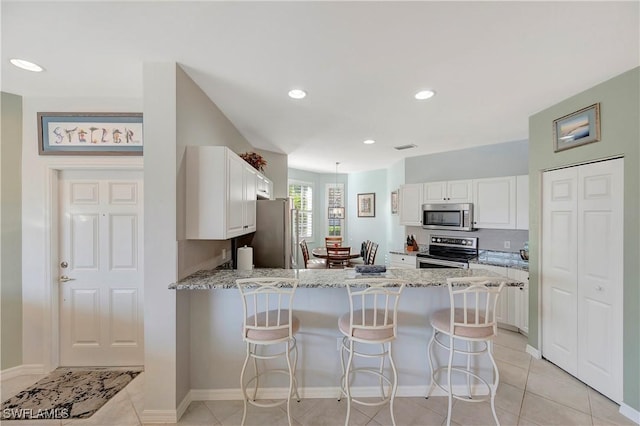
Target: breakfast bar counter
331, 278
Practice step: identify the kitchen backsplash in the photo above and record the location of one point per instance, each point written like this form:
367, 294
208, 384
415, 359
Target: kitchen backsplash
488, 239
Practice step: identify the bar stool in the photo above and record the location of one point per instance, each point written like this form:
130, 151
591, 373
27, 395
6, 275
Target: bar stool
371, 320
268, 320
473, 315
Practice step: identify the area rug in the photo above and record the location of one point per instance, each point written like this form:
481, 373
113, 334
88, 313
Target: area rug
67, 393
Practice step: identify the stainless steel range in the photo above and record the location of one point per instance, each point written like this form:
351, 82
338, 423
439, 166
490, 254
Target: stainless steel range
448, 252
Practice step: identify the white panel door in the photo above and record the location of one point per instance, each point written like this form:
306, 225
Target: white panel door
559, 265
250, 193
459, 191
235, 196
495, 202
411, 204
600, 266
100, 267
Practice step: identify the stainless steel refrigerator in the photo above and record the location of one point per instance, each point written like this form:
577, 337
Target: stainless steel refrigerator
275, 242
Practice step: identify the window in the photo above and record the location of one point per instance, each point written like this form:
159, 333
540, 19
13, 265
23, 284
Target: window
302, 195
335, 198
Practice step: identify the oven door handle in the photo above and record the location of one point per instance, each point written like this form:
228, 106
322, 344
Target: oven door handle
450, 263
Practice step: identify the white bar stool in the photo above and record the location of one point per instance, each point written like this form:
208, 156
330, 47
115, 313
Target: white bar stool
372, 319
267, 305
473, 315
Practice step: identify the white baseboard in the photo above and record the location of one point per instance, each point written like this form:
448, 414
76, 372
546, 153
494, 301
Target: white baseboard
184, 404
319, 392
159, 416
534, 352
21, 370
630, 413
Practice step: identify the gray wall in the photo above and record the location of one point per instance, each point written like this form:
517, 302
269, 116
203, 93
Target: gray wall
620, 135
502, 159
11, 231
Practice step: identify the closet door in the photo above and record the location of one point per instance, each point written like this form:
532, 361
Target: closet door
600, 280
559, 269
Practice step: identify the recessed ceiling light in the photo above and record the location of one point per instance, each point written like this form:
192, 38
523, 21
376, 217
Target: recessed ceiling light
424, 94
26, 65
369, 142
297, 94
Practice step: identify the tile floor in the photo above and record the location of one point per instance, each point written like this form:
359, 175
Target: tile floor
531, 392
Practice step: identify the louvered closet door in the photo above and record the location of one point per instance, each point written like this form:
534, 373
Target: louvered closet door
101, 318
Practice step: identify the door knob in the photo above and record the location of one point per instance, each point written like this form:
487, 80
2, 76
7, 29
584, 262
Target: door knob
64, 265
64, 279
599, 288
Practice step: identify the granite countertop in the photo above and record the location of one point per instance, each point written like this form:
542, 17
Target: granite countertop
501, 258
330, 278
404, 252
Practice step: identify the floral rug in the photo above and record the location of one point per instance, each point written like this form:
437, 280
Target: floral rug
67, 393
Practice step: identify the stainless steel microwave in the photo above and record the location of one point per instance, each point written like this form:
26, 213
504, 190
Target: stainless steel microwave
454, 217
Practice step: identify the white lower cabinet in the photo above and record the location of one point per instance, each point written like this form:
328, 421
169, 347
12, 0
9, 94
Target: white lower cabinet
512, 310
402, 261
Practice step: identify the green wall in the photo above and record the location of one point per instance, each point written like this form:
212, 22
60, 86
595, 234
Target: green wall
11, 227
620, 136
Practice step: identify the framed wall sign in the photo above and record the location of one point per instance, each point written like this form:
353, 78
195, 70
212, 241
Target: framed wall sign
394, 202
578, 128
367, 205
77, 133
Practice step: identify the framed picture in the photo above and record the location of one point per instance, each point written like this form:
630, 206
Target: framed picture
367, 205
578, 128
394, 202
76, 133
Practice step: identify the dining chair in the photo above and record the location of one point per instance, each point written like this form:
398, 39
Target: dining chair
333, 241
308, 262
371, 253
471, 319
338, 257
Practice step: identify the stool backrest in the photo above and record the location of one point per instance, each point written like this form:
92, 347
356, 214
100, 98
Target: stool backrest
267, 304
373, 304
475, 299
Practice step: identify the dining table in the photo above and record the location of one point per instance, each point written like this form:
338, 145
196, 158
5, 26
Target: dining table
321, 252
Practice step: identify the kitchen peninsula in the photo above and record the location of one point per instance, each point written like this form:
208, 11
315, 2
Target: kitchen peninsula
211, 327
323, 278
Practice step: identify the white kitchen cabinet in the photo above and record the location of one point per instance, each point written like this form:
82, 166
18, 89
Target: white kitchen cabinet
264, 187
220, 194
495, 202
521, 299
402, 261
512, 311
522, 202
411, 204
453, 191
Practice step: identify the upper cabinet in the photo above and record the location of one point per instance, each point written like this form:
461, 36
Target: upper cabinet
411, 204
453, 191
221, 194
264, 187
522, 202
494, 202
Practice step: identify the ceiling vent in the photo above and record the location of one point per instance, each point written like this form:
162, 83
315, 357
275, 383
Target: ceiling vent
401, 147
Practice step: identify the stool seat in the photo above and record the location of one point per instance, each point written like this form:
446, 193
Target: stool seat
441, 321
263, 334
369, 332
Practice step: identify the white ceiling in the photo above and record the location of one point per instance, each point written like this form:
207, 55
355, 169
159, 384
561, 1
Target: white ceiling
493, 64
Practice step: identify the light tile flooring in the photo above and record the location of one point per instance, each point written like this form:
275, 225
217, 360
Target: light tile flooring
531, 392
